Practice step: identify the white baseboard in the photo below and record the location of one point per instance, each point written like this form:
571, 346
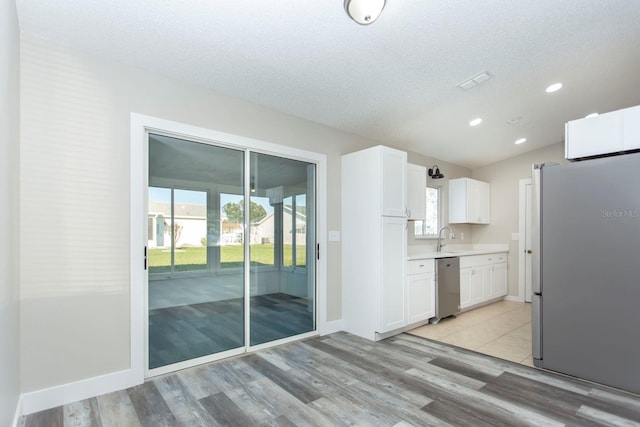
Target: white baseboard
331, 327
52, 397
513, 298
18, 413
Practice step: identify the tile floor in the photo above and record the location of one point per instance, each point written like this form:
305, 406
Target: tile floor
502, 329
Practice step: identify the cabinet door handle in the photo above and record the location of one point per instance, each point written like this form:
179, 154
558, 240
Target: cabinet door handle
529, 251
421, 265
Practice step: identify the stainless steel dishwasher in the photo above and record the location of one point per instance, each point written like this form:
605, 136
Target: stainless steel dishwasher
447, 288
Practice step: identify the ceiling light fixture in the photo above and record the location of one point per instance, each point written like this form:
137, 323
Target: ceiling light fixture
554, 87
364, 12
475, 122
521, 141
588, 116
434, 172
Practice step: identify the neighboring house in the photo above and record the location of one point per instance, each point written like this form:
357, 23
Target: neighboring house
263, 232
231, 233
191, 218
300, 225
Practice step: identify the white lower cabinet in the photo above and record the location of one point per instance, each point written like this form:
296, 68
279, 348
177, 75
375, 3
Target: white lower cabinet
393, 303
421, 303
465, 287
482, 278
499, 281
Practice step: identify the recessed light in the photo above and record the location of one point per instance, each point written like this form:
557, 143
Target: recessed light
554, 87
588, 116
521, 141
475, 122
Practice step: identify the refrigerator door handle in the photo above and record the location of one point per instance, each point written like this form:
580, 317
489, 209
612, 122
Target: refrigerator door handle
536, 329
535, 230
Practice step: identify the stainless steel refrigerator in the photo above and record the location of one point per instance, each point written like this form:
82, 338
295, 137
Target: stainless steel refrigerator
586, 275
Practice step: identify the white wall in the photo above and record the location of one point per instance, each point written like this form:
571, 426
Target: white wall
504, 177
75, 154
9, 242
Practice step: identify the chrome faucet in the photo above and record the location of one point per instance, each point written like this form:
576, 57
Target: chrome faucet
440, 245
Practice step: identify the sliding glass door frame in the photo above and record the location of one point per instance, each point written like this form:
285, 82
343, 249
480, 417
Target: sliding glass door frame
320, 285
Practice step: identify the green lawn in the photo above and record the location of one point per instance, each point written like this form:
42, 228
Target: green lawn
195, 258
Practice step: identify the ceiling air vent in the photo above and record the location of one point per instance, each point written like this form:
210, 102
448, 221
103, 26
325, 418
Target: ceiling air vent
514, 121
476, 80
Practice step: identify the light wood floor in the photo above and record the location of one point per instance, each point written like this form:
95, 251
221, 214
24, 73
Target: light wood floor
502, 329
341, 379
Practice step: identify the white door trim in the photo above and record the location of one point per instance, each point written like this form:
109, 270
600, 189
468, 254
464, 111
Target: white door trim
140, 126
522, 215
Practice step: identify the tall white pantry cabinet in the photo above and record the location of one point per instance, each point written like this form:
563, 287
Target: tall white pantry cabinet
374, 243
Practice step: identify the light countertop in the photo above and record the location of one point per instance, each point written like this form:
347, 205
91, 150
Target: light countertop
457, 250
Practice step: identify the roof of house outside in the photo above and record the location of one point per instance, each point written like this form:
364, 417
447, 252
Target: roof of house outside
182, 210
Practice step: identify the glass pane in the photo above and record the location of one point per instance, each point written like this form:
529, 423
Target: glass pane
232, 230
189, 230
159, 232
282, 298
301, 230
287, 232
433, 210
196, 307
262, 231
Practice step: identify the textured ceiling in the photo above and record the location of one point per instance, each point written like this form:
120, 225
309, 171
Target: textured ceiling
393, 81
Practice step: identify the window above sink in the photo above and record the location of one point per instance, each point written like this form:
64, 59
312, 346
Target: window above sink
428, 229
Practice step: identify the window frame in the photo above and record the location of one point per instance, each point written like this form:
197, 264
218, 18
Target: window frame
294, 236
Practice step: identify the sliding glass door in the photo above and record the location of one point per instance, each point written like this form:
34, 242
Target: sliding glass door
209, 207
193, 310
283, 285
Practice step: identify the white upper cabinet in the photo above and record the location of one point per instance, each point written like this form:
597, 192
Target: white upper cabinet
631, 128
416, 192
394, 182
604, 134
376, 179
469, 201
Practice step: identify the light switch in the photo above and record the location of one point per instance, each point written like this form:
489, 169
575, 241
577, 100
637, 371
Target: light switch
334, 236
515, 236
